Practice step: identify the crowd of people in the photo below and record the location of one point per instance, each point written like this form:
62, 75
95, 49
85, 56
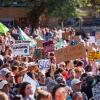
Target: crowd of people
22, 79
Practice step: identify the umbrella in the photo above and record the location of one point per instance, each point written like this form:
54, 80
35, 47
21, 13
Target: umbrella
3, 29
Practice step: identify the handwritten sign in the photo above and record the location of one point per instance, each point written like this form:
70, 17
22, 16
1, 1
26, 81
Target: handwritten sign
75, 38
70, 53
94, 55
38, 53
59, 54
66, 36
75, 52
48, 46
97, 36
39, 43
44, 64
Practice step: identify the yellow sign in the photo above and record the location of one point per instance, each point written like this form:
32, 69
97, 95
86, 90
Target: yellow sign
94, 56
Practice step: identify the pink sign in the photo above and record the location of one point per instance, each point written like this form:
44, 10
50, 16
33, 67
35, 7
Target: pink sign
48, 46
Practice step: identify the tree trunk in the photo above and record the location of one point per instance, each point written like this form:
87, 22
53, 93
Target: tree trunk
62, 24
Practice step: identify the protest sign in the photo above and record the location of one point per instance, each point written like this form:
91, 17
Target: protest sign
98, 43
75, 52
31, 81
21, 49
97, 36
91, 39
60, 55
94, 55
48, 46
70, 53
38, 53
75, 38
44, 64
39, 43
66, 36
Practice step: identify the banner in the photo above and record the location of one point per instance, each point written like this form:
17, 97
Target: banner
44, 64
48, 46
70, 53
21, 49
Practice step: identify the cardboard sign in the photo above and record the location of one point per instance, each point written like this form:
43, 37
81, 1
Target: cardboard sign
65, 36
70, 53
44, 64
48, 46
39, 43
94, 55
75, 52
75, 38
21, 49
97, 36
38, 53
59, 54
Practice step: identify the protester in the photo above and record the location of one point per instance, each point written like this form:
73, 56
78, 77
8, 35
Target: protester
3, 96
60, 92
26, 90
77, 96
46, 75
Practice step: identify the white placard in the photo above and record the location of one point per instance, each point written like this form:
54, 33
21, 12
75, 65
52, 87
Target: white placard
33, 83
98, 43
91, 39
21, 49
44, 64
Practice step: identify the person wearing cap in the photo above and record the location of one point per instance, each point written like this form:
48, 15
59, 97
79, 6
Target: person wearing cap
76, 87
4, 86
72, 75
8, 75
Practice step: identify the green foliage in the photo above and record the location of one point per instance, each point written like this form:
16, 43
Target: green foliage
63, 9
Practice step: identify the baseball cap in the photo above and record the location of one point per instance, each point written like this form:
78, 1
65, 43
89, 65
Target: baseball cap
4, 71
2, 83
75, 81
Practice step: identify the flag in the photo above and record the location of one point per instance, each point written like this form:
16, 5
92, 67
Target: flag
3, 29
24, 37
